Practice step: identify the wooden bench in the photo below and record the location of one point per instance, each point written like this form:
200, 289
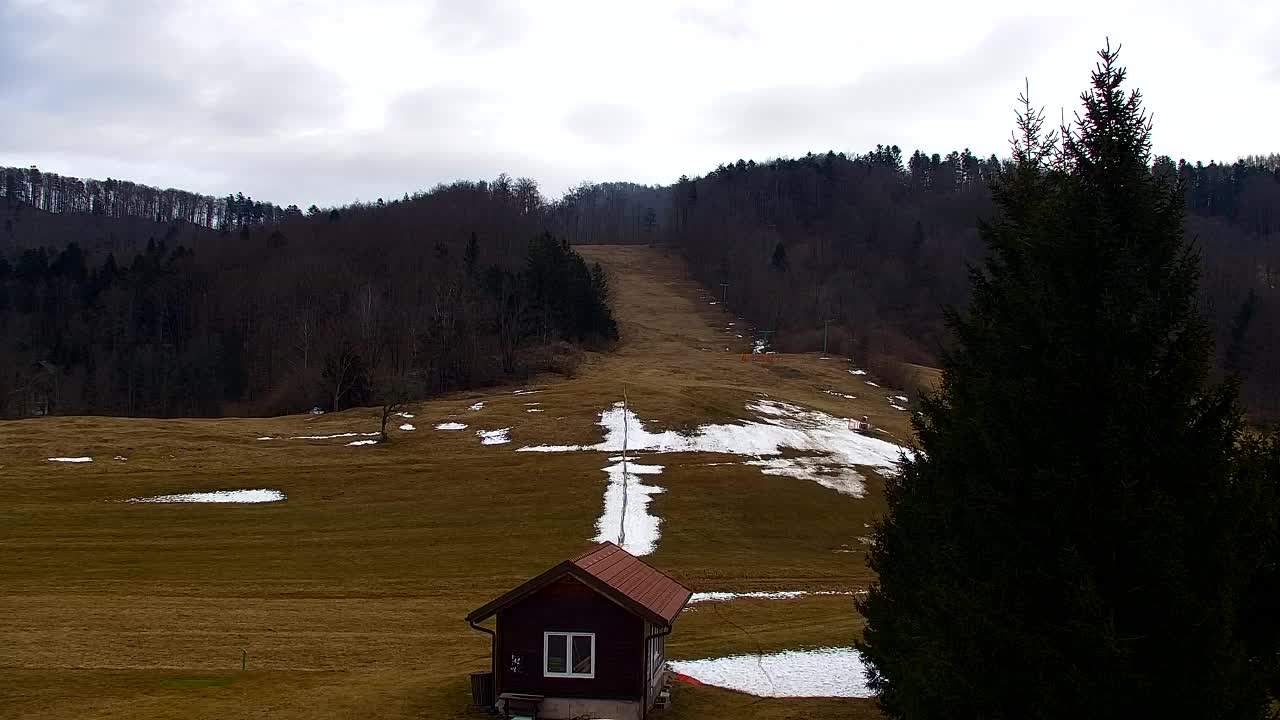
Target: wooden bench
521, 704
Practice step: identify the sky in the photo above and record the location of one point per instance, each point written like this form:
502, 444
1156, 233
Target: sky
302, 101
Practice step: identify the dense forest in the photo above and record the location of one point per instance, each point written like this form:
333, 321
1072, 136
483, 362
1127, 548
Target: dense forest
123, 199
107, 309
880, 247
873, 246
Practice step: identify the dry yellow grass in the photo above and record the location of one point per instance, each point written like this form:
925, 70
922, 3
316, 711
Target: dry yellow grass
348, 597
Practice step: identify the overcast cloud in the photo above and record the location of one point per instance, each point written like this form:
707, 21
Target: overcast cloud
304, 101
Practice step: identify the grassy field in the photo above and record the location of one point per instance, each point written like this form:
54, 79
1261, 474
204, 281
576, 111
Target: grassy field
347, 599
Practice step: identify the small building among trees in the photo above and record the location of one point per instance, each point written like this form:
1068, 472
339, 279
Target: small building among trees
585, 638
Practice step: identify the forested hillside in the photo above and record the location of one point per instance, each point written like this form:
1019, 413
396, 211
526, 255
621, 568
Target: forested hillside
880, 247
876, 244
249, 311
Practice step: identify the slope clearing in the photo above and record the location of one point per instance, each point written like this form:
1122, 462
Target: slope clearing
346, 598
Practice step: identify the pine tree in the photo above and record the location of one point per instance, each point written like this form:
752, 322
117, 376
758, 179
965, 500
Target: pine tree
1084, 533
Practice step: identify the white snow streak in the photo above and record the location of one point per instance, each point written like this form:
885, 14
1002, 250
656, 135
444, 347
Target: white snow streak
363, 442
71, 459
901, 398
478, 406
451, 426
501, 436
825, 672
870, 383
405, 415
857, 372
701, 597
626, 519
217, 496
407, 427
525, 392
336, 435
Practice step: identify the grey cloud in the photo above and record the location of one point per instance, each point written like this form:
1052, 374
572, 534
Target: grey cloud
475, 25
239, 97
730, 22
109, 81
440, 108
881, 99
603, 123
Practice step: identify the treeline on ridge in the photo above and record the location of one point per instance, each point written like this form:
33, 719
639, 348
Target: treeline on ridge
880, 245
455, 288
875, 243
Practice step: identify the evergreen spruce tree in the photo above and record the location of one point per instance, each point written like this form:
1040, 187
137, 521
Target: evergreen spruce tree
1085, 532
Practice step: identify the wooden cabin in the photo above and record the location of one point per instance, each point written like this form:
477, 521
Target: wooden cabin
585, 638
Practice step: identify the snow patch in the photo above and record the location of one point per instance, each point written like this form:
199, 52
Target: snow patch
335, 435
71, 459
846, 481
839, 394
363, 442
534, 410
836, 450
217, 496
405, 415
897, 407
701, 597
901, 398
266, 437
825, 672
626, 519
120, 458
478, 406
857, 372
407, 427
501, 436
451, 426
317, 411
870, 383
525, 392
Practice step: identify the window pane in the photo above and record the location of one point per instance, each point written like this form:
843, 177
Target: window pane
557, 660
582, 654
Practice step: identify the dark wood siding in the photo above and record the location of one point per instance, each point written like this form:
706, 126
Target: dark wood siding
569, 606
655, 658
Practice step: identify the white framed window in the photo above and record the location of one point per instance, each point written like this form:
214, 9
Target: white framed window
568, 654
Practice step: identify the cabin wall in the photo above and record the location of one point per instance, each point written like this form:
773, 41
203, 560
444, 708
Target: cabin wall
569, 606
655, 659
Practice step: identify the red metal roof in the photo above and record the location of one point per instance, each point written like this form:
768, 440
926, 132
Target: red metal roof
616, 574
636, 579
